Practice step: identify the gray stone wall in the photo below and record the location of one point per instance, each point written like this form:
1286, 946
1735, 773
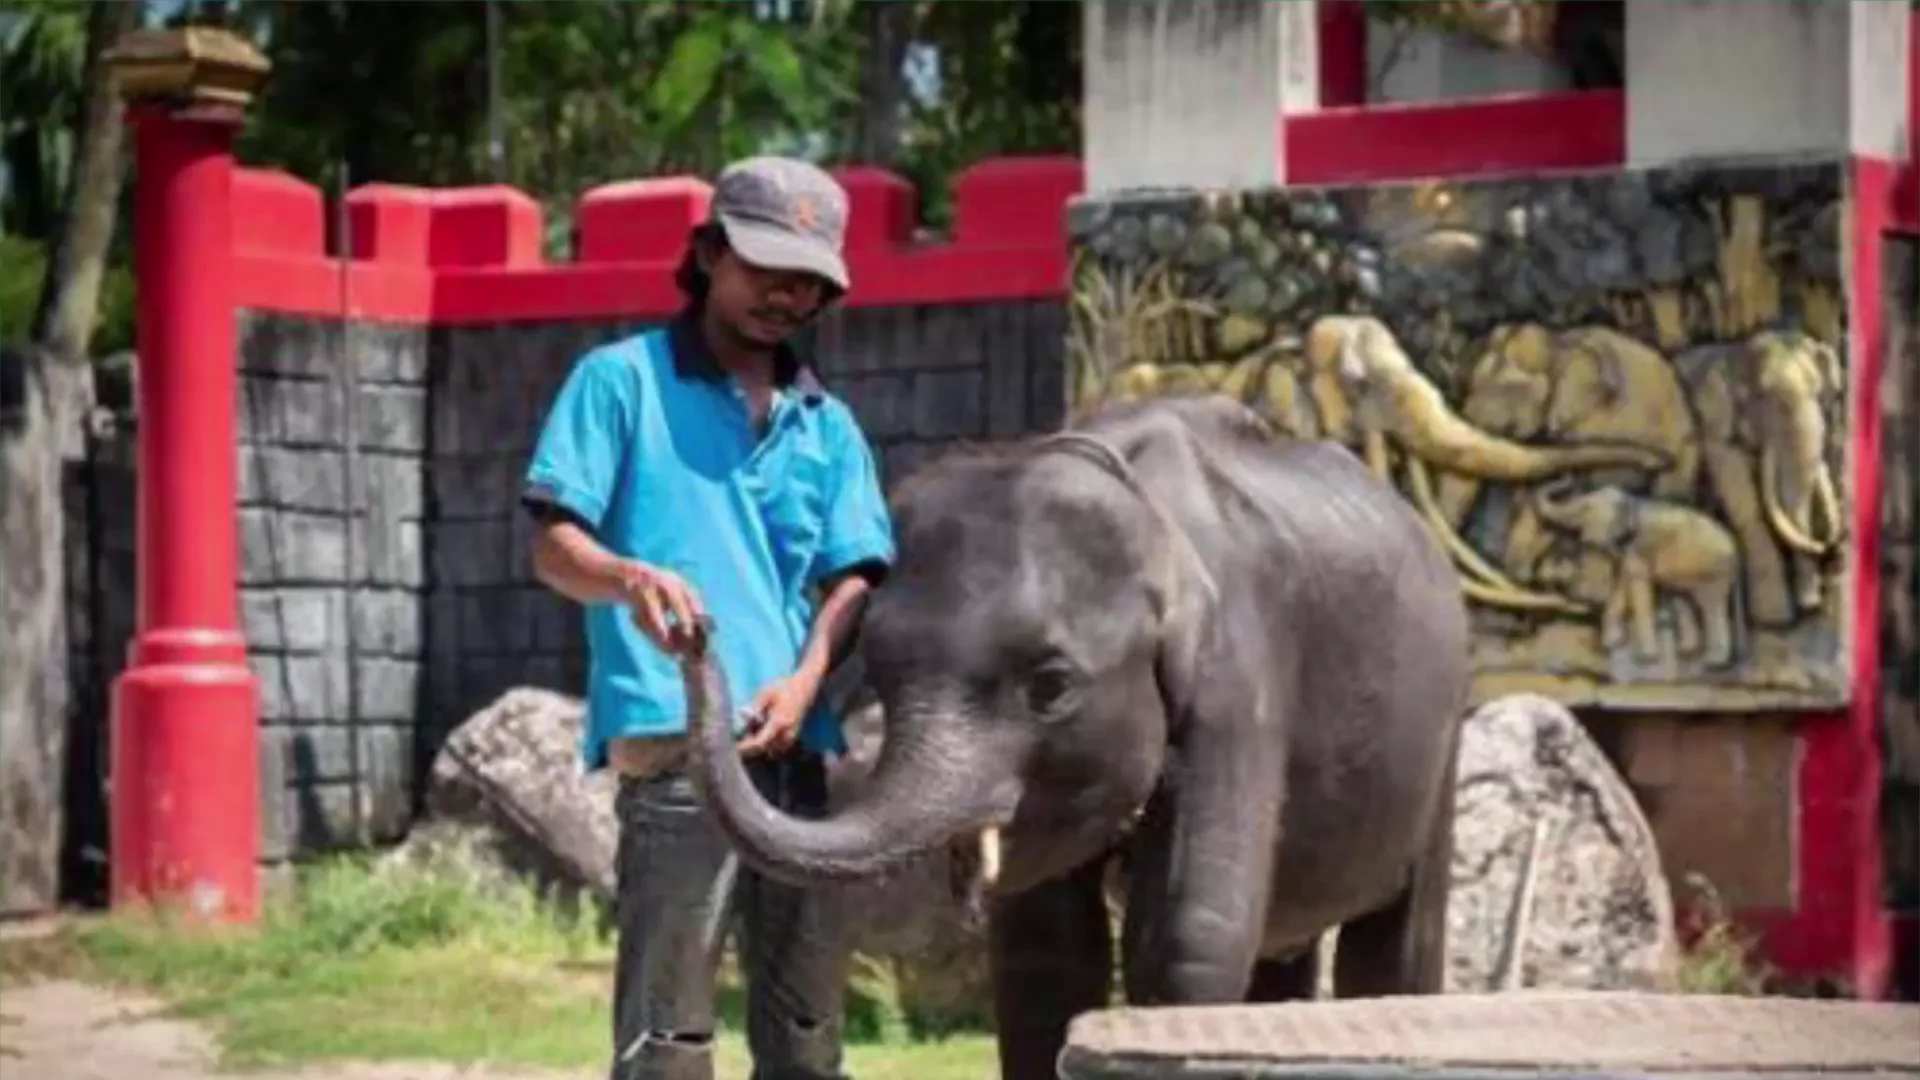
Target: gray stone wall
385, 587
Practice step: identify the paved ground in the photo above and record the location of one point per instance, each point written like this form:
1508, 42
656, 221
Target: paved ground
69, 1031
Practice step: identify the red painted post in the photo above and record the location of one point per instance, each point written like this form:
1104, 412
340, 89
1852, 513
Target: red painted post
185, 759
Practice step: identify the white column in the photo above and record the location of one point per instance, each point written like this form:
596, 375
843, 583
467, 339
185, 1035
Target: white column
1190, 93
1709, 78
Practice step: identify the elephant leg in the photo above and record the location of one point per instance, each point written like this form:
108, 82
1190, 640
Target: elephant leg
1809, 589
1297, 979
1402, 947
1641, 609
1613, 617
1052, 960
1686, 625
1716, 623
1198, 898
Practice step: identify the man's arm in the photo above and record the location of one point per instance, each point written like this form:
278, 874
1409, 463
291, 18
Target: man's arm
837, 625
571, 482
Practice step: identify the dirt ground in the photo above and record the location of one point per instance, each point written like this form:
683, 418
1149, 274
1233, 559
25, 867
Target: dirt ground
71, 1031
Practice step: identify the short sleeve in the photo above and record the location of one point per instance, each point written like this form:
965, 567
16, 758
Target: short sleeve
576, 461
858, 531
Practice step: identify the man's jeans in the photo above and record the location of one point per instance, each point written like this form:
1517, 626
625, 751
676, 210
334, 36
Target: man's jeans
680, 887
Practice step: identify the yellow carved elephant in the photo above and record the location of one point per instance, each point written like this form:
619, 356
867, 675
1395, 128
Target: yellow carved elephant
1765, 408
1367, 394
1583, 386
1668, 556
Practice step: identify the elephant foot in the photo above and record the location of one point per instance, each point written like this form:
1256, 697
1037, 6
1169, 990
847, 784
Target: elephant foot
1297, 979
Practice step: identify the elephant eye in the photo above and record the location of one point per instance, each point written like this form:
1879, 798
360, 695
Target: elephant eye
1050, 691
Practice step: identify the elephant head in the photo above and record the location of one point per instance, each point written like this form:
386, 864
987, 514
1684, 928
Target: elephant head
1604, 517
1023, 651
1795, 376
1368, 393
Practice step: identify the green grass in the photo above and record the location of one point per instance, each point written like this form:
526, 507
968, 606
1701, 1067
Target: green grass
369, 961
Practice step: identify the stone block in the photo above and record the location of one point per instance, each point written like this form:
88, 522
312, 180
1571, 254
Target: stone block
275, 344
295, 412
386, 622
386, 781
394, 486
883, 403
276, 822
318, 753
313, 688
324, 817
294, 479
948, 404
393, 418
388, 690
293, 619
1007, 361
392, 552
279, 546
388, 354
474, 486
468, 553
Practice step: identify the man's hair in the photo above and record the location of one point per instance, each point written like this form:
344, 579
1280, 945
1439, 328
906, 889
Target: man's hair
691, 277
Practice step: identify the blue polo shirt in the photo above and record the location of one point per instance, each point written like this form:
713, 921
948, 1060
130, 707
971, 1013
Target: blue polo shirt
652, 448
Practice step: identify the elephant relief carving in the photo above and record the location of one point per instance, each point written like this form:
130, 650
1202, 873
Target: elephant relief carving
1368, 394
1585, 386
1765, 408
1669, 558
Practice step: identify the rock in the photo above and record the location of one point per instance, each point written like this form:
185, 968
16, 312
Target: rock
511, 773
1538, 799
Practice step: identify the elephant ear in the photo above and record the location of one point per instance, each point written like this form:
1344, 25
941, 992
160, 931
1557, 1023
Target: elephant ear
1189, 603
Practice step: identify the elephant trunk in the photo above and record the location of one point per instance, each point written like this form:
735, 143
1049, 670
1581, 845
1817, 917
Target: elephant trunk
923, 793
1434, 432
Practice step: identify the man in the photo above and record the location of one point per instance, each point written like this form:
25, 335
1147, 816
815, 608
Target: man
696, 472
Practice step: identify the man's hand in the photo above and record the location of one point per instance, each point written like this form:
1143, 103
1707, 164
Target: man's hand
776, 714
666, 608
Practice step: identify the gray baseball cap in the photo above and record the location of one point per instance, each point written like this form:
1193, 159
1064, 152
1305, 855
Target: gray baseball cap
784, 214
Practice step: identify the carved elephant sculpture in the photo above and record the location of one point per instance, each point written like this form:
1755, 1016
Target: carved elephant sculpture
1584, 386
1669, 557
1368, 394
1234, 664
1765, 409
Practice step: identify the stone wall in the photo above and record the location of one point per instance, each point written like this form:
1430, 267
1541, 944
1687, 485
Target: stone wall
385, 587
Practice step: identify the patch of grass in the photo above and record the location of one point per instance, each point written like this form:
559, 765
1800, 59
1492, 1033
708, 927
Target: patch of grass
390, 960
1720, 957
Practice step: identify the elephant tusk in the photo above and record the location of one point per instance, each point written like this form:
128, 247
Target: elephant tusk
1480, 580
1374, 446
1827, 501
989, 857
1783, 524
1519, 599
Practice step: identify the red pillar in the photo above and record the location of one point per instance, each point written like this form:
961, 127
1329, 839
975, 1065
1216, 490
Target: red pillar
185, 788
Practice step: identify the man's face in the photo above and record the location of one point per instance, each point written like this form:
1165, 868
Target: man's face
762, 307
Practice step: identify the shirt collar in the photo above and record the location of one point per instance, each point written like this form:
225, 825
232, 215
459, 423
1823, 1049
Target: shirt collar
693, 360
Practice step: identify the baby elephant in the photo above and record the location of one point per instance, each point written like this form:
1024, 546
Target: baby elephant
1236, 664
1668, 554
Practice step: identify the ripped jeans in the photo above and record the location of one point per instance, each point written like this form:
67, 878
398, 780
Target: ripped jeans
680, 890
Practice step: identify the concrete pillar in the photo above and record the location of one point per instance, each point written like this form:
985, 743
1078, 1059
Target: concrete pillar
1190, 93
185, 740
1725, 78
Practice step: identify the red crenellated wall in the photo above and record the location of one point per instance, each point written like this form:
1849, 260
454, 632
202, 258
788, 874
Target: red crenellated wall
468, 255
